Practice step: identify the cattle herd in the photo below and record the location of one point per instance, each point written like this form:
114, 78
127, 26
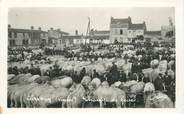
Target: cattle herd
113, 75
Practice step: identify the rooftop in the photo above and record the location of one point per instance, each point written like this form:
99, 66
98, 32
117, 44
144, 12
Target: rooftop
99, 32
71, 37
137, 26
59, 31
153, 33
98, 37
24, 30
120, 20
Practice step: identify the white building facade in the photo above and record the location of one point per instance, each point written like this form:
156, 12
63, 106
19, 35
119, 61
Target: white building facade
122, 30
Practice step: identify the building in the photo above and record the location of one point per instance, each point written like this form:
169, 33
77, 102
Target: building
26, 37
123, 30
153, 36
168, 31
54, 36
70, 40
99, 36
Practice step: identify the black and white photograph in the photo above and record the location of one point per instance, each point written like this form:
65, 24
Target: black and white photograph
91, 57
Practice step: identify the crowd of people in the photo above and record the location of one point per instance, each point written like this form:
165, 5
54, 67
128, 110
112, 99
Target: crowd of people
21, 54
142, 58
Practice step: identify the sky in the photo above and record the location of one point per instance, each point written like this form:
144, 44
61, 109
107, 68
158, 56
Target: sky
69, 19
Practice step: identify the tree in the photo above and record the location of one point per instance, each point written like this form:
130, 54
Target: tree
169, 34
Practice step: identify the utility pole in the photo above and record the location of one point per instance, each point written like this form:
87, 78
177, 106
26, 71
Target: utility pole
88, 28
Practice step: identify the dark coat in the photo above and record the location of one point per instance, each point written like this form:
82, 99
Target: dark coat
158, 83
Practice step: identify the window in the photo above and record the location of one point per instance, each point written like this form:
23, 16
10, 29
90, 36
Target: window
29, 34
15, 34
121, 31
60, 41
25, 42
12, 42
23, 35
9, 34
121, 38
115, 31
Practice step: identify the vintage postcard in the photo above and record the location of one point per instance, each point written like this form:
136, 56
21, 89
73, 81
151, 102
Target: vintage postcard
92, 57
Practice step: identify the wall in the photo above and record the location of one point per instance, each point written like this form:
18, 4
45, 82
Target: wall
135, 33
45, 37
54, 34
165, 29
119, 34
19, 39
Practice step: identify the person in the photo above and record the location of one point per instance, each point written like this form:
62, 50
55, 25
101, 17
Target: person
96, 57
51, 73
114, 68
21, 70
134, 76
134, 67
32, 68
95, 74
15, 70
60, 72
26, 70
126, 58
38, 71
167, 81
75, 77
114, 74
82, 73
23, 56
123, 76
46, 73
56, 69
159, 82
10, 70
49, 61
140, 76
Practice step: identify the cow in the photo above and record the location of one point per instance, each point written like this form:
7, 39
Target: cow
106, 94
158, 99
76, 97
65, 82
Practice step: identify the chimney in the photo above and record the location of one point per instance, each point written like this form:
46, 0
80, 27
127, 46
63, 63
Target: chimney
32, 27
39, 28
112, 18
9, 26
58, 29
144, 23
129, 19
51, 28
76, 32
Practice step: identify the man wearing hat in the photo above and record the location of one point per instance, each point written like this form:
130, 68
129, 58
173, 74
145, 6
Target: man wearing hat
159, 82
